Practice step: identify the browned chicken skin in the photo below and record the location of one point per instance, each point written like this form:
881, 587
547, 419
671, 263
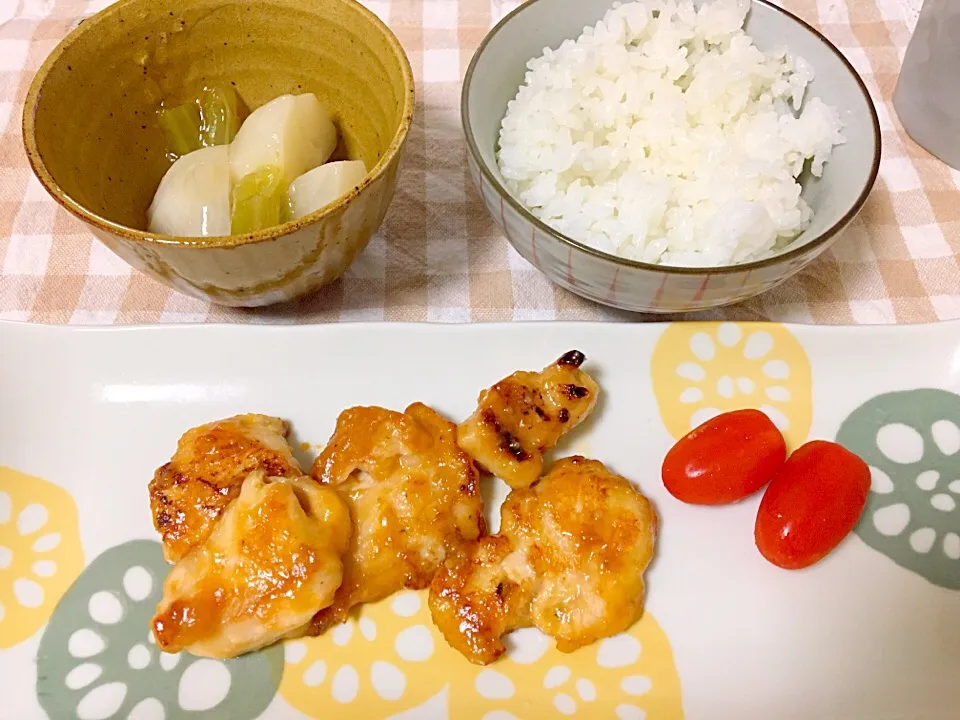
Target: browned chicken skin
189, 493
525, 415
413, 496
272, 561
568, 560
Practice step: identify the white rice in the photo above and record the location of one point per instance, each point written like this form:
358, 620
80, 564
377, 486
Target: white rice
663, 134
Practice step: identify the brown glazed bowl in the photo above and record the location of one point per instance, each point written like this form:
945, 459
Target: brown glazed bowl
92, 138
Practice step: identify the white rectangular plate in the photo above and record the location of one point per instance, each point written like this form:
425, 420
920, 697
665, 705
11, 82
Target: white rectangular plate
873, 631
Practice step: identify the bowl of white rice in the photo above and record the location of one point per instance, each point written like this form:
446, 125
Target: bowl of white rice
667, 155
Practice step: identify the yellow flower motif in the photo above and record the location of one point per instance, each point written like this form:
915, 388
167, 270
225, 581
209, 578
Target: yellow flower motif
700, 370
40, 552
630, 676
386, 660
391, 659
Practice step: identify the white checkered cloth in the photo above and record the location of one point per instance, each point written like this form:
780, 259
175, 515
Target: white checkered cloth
438, 256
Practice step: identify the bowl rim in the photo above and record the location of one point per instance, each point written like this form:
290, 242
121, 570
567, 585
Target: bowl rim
275, 232
787, 255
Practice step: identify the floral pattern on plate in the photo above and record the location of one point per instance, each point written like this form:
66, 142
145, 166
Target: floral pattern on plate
911, 441
40, 553
629, 676
97, 659
390, 659
700, 370
385, 659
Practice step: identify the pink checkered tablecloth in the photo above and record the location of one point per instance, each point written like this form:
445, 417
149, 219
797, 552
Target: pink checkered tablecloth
438, 256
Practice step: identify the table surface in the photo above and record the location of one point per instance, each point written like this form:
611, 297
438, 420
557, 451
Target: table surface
438, 256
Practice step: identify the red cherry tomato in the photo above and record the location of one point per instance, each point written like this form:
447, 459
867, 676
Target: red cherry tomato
725, 459
811, 505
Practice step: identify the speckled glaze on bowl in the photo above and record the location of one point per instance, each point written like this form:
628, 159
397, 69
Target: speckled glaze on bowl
90, 130
497, 70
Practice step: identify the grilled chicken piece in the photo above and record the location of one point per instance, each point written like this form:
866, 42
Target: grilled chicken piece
272, 561
568, 560
525, 415
188, 494
413, 496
